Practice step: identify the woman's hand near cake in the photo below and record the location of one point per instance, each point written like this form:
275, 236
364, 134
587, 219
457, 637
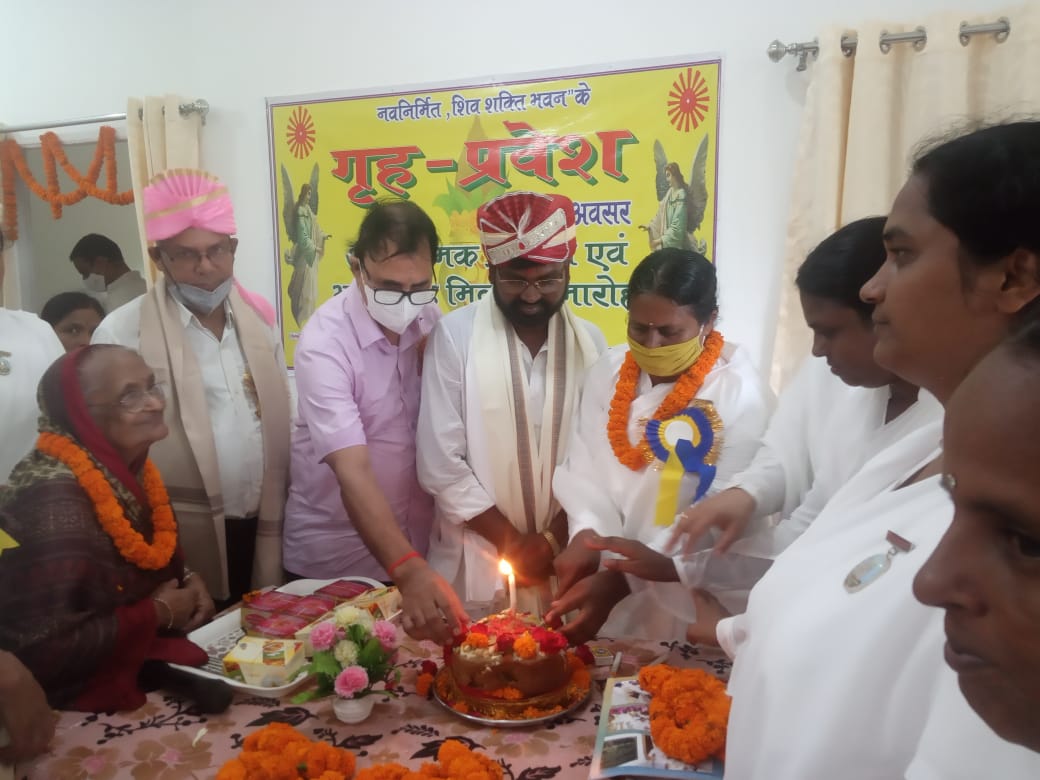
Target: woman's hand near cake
594, 597
24, 712
576, 562
637, 558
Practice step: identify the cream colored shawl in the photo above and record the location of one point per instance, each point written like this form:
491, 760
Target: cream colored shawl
522, 467
187, 457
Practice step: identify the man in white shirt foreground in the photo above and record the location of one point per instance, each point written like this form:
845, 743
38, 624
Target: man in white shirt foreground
226, 460
499, 393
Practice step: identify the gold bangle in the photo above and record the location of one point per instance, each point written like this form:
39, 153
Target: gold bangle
169, 624
550, 537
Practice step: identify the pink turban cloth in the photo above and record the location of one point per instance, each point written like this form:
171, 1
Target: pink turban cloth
529, 225
182, 198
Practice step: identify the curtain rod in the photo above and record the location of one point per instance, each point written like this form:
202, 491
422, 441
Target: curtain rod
199, 106
777, 50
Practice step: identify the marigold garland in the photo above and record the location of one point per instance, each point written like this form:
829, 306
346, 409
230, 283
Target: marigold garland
686, 388
454, 761
130, 543
12, 165
689, 710
280, 752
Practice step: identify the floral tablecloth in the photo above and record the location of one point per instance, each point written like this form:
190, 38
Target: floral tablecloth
167, 738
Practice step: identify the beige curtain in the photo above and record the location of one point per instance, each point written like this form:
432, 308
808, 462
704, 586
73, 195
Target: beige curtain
865, 115
158, 138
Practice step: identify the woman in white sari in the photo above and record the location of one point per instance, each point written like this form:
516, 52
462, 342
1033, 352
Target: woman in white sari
835, 663
670, 417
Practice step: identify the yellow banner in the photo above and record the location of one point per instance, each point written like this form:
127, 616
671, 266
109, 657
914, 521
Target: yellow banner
634, 148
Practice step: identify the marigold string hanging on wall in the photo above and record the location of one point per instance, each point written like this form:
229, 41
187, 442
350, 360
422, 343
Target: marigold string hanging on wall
13, 165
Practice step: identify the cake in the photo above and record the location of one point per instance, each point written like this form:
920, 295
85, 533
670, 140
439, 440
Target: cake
507, 665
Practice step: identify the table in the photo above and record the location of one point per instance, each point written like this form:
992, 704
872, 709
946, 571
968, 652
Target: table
167, 739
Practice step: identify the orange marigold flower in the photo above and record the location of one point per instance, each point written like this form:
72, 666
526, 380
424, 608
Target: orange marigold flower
473, 639
525, 647
232, 770
689, 710
423, 683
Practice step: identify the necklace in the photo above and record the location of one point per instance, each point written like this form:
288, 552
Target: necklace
110, 515
870, 569
688, 385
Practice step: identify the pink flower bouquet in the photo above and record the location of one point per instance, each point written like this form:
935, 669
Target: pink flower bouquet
353, 653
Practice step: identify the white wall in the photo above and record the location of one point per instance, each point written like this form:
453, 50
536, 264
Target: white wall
235, 53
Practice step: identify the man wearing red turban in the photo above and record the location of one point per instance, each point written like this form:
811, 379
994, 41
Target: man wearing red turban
499, 394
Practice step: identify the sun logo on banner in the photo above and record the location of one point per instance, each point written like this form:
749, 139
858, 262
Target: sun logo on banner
688, 101
299, 133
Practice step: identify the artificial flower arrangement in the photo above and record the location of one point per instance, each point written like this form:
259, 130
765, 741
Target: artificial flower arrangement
689, 710
353, 653
279, 752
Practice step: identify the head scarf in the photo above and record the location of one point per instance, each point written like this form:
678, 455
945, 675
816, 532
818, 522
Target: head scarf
64, 410
530, 225
183, 198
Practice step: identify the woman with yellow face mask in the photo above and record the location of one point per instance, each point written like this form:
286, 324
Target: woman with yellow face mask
668, 418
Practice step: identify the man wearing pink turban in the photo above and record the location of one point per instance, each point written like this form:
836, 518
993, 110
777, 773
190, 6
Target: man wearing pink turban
226, 459
499, 394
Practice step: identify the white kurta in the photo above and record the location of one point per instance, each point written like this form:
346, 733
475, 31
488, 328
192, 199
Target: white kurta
822, 432
452, 444
600, 494
958, 745
123, 290
830, 684
232, 410
31, 347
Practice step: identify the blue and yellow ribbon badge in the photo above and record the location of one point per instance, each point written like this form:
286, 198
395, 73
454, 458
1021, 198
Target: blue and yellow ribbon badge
688, 443
6, 542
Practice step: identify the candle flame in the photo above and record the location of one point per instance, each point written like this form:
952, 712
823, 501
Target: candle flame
504, 567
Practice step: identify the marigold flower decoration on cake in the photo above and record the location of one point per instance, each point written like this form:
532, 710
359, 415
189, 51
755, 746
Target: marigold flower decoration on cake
686, 388
689, 710
130, 543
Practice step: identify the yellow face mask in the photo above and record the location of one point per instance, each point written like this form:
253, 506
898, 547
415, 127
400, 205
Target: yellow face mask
667, 361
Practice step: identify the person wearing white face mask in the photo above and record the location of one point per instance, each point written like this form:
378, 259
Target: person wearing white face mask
106, 276
355, 506
226, 460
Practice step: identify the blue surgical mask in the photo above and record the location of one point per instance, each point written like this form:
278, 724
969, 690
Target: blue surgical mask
199, 300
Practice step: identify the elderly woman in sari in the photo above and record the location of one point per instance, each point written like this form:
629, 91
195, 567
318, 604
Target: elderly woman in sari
94, 585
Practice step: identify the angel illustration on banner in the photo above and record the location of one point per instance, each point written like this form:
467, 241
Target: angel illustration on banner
682, 204
308, 244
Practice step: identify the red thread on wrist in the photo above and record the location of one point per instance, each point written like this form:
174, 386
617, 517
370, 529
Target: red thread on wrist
399, 561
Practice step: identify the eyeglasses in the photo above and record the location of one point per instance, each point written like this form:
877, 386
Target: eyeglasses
185, 256
416, 297
134, 401
519, 286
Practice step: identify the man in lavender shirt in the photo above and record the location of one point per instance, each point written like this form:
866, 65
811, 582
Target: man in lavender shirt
355, 505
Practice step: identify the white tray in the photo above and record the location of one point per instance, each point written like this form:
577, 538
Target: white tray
219, 636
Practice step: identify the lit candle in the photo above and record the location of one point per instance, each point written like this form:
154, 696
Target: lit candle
506, 569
